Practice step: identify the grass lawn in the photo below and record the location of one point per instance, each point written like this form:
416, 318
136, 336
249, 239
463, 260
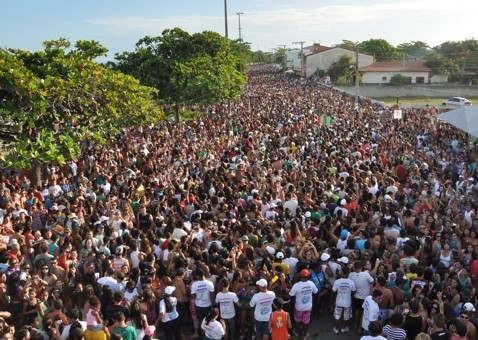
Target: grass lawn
419, 101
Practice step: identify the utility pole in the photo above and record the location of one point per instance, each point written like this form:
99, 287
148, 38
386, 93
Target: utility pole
301, 57
357, 77
240, 42
284, 61
225, 19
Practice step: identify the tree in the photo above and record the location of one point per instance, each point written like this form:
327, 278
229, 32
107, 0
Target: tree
186, 69
348, 45
416, 49
55, 98
343, 68
379, 48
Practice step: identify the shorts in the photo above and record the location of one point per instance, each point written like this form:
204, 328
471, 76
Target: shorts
357, 303
262, 327
302, 316
345, 311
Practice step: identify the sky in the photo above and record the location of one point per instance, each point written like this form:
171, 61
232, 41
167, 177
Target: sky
266, 24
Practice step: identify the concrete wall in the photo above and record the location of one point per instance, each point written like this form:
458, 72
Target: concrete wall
416, 90
385, 77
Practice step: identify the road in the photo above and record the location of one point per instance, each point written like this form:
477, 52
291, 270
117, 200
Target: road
320, 329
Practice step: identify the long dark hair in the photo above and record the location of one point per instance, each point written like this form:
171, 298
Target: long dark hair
213, 313
169, 303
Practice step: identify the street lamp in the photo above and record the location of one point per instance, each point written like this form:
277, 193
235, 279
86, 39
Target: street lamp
225, 18
240, 41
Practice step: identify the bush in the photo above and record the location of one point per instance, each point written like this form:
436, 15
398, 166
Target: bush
398, 79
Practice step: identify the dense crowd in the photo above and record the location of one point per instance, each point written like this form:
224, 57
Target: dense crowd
249, 222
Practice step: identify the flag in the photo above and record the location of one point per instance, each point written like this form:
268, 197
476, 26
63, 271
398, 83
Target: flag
324, 120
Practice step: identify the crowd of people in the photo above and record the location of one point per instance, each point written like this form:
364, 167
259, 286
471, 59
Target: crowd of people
248, 222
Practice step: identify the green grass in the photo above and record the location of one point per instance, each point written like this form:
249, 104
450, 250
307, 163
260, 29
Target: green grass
418, 101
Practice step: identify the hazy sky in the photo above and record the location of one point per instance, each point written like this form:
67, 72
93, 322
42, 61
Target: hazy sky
266, 24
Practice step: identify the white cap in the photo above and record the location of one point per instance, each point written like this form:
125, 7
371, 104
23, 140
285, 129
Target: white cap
270, 250
387, 198
343, 201
307, 214
324, 257
262, 283
280, 255
169, 290
344, 259
469, 307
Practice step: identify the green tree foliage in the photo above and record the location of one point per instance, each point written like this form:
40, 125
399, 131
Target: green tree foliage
54, 98
415, 49
379, 48
348, 45
187, 69
456, 57
343, 68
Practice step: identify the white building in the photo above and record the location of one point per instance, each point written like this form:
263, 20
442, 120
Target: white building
382, 72
317, 57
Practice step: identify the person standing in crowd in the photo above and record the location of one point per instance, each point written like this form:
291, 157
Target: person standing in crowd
262, 302
168, 315
227, 301
213, 329
280, 321
371, 310
363, 281
343, 289
202, 292
375, 329
303, 291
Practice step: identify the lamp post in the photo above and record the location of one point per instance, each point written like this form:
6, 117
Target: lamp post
284, 58
240, 41
301, 57
225, 19
357, 77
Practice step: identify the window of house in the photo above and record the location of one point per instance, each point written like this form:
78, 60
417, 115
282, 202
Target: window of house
384, 78
420, 80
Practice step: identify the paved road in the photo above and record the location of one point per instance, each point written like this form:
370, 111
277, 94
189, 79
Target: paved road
320, 329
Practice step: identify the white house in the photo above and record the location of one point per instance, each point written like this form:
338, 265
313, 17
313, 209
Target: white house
382, 72
318, 57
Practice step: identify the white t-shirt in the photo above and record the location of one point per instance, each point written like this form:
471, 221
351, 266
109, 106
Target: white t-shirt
263, 303
66, 330
213, 330
134, 259
303, 295
344, 289
370, 311
203, 290
369, 337
363, 281
168, 316
226, 303
292, 262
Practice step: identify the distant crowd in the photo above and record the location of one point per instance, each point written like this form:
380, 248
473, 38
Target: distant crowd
251, 221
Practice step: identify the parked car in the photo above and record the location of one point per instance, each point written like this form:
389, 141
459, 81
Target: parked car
457, 101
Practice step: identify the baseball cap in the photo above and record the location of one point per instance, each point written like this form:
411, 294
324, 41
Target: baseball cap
344, 234
324, 257
468, 307
169, 290
304, 273
407, 296
245, 238
280, 255
262, 283
344, 259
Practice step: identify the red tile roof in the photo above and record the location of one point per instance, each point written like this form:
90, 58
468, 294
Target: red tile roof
396, 66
